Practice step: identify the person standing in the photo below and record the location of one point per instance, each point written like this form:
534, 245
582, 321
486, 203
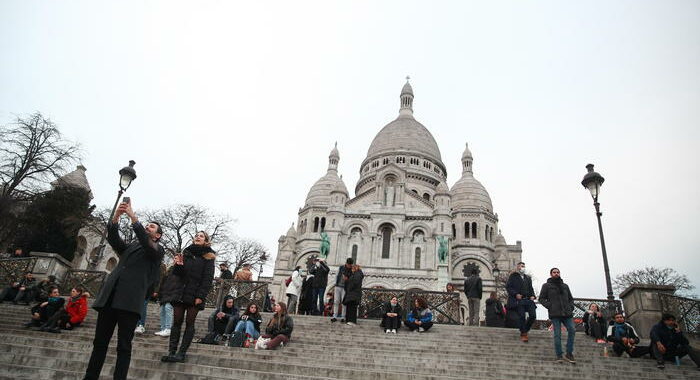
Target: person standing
320, 271
195, 268
339, 292
167, 291
353, 294
294, 289
521, 299
473, 289
120, 299
224, 273
494, 311
556, 297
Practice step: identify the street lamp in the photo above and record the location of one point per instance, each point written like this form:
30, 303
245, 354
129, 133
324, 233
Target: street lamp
593, 181
126, 175
496, 276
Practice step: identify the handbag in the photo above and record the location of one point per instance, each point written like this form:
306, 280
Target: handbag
261, 344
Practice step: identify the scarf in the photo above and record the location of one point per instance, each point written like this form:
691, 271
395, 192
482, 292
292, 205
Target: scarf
54, 299
619, 329
197, 250
76, 298
557, 282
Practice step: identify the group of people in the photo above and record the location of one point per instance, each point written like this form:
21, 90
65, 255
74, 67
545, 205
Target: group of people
305, 290
56, 313
28, 290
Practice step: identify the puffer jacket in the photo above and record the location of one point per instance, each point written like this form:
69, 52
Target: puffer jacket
423, 315
294, 287
284, 328
169, 288
77, 309
556, 297
353, 287
196, 275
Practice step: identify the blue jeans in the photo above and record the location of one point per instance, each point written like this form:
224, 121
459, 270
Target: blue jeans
248, 327
570, 334
166, 316
144, 310
318, 300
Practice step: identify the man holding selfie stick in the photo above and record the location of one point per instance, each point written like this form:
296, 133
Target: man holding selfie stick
121, 297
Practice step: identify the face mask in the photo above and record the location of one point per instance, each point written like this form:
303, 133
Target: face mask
521, 270
393, 303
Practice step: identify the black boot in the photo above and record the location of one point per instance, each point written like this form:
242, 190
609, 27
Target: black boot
179, 357
169, 358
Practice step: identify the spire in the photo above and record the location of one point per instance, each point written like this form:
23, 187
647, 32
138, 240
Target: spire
334, 158
467, 160
406, 99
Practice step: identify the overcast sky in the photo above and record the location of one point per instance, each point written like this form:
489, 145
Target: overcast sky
236, 105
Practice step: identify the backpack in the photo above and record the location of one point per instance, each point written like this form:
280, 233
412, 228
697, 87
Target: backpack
210, 338
237, 339
288, 281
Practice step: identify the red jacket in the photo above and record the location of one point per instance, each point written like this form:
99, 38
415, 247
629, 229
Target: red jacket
77, 310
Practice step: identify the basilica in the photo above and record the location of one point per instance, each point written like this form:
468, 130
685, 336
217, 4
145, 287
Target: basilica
402, 207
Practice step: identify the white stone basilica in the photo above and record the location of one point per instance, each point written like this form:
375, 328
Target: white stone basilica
402, 204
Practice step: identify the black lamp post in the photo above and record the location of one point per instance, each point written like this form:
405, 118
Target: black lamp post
126, 175
593, 181
496, 277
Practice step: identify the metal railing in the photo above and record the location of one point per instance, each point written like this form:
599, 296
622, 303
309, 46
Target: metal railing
243, 292
90, 280
12, 270
444, 305
686, 311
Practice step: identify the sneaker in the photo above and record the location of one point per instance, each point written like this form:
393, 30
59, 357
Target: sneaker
165, 332
387, 331
570, 358
523, 337
140, 329
660, 365
560, 359
351, 324
281, 345
601, 341
420, 329
393, 331
334, 319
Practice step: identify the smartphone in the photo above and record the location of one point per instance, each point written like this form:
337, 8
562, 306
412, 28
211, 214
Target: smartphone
126, 200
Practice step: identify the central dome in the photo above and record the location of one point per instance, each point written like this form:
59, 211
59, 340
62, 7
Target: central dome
405, 134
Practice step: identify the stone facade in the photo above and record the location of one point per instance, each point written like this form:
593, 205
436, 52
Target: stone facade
402, 204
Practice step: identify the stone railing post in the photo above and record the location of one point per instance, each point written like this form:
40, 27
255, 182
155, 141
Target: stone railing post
50, 264
642, 305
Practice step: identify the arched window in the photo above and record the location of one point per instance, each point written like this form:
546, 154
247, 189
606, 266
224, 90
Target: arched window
415, 191
491, 234
486, 233
417, 259
356, 231
386, 241
354, 253
323, 224
111, 263
316, 224
418, 236
466, 230
473, 230
426, 196
454, 231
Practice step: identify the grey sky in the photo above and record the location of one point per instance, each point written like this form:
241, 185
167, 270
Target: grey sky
236, 105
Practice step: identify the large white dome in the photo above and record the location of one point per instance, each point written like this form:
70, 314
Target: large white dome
402, 135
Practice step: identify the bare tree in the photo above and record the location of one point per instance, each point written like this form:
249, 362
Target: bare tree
239, 252
655, 276
32, 153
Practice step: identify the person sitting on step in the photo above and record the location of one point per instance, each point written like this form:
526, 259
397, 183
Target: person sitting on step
624, 338
45, 310
20, 291
70, 316
224, 318
668, 342
249, 323
420, 318
278, 330
594, 323
391, 316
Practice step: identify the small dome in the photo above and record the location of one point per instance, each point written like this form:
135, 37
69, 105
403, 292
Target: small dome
500, 240
292, 232
407, 89
467, 153
468, 193
320, 193
334, 152
340, 187
442, 188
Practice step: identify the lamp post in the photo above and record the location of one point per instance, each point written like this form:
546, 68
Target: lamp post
126, 175
496, 277
593, 181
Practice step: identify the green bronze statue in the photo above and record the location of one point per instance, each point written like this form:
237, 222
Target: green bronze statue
443, 250
325, 245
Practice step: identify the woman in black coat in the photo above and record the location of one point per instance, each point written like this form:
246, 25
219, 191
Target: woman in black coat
306, 296
391, 316
195, 269
494, 312
353, 294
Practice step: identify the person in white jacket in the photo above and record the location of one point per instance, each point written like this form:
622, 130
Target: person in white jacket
293, 290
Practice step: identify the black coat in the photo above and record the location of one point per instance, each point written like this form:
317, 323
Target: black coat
285, 327
169, 287
353, 287
556, 297
518, 285
494, 313
320, 274
306, 296
668, 337
137, 271
226, 275
473, 287
196, 275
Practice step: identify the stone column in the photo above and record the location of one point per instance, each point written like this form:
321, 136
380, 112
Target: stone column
642, 305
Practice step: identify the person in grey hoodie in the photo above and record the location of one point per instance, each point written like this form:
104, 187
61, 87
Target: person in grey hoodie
473, 289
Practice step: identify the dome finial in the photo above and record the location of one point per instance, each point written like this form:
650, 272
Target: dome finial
467, 159
406, 98
334, 158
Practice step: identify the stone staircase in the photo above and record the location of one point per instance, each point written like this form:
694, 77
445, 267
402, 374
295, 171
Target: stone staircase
321, 350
